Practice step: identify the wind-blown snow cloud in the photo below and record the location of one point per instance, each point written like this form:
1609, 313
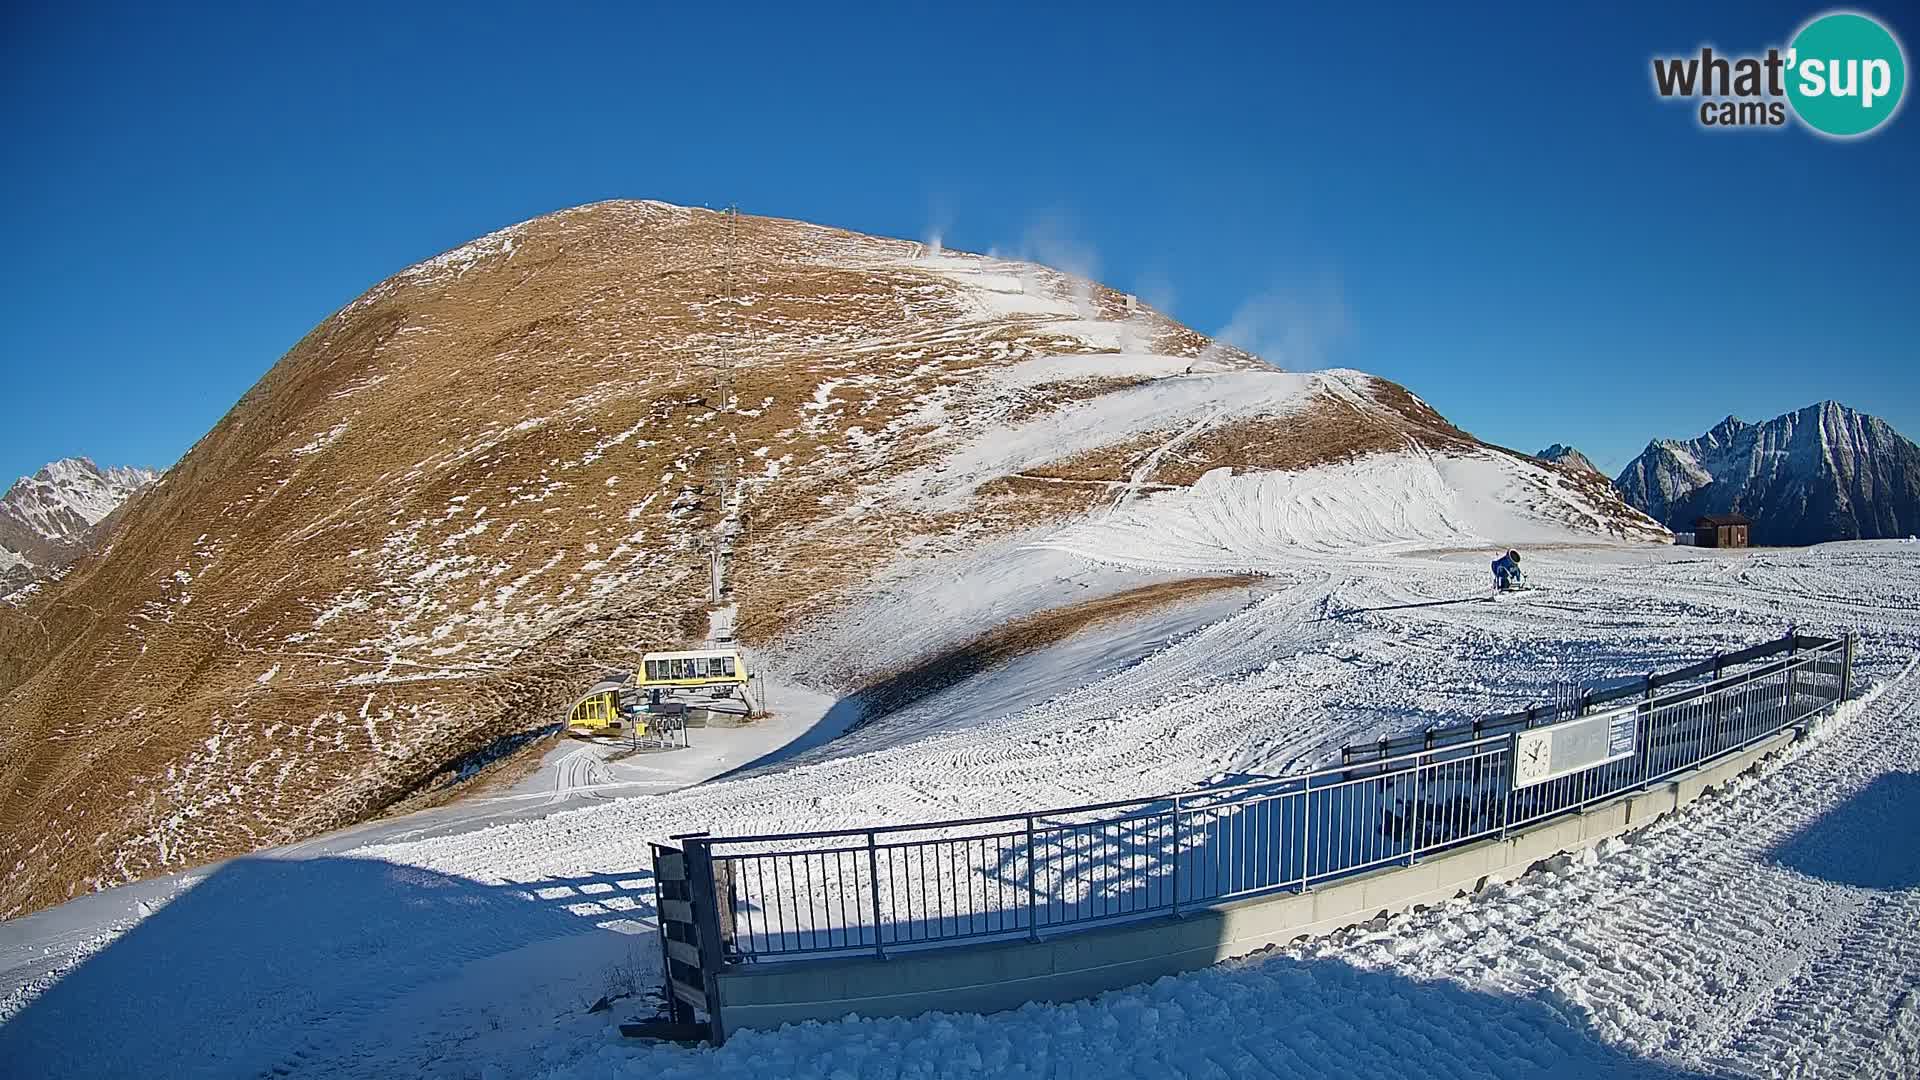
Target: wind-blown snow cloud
939, 225
1157, 290
1289, 327
1051, 241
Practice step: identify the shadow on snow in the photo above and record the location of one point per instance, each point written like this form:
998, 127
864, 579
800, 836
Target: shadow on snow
237, 974
1865, 841
267, 954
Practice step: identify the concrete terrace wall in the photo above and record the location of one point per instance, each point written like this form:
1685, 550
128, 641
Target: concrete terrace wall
1006, 975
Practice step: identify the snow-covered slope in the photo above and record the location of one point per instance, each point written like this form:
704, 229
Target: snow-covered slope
48, 518
509, 469
1764, 934
1264, 521
1825, 472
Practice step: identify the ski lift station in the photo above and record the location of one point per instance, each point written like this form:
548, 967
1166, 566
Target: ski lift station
639, 701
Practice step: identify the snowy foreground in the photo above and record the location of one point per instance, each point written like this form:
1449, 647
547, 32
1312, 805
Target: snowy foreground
1765, 931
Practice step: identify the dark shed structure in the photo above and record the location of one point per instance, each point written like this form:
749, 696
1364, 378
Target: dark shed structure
1721, 530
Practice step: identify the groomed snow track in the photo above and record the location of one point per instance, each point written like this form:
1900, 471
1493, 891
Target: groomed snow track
1707, 944
1763, 932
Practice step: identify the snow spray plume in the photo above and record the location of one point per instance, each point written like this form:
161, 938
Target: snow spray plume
1050, 241
1285, 328
1141, 331
938, 227
1157, 290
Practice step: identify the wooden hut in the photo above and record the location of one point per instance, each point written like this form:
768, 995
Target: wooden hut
1721, 530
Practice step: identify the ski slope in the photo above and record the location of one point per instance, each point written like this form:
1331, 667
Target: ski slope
1764, 932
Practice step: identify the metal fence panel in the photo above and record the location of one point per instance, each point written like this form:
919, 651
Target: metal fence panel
943, 883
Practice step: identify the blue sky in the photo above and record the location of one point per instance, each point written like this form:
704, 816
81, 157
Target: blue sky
1490, 207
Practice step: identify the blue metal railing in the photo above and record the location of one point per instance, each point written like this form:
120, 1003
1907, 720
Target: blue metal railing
801, 895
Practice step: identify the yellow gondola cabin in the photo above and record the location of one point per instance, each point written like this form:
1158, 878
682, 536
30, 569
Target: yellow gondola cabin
608, 707
596, 714
691, 668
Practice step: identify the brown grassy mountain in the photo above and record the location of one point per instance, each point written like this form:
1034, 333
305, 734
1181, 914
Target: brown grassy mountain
501, 472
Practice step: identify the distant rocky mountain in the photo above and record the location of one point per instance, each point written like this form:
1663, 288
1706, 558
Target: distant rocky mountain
52, 517
1561, 454
1825, 472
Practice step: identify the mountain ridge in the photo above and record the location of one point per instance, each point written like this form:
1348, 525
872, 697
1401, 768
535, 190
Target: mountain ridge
1562, 454
502, 472
1822, 472
60, 513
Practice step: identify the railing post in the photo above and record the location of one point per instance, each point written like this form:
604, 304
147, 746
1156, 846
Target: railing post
1513, 757
1176, 856
873, 883
1583, 706
1645, 748
1846, 665
1033, 885
1306, 831
1413, 818
1793, 678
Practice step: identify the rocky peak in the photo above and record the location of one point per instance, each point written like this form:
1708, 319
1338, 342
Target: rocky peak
1823, 472
53, 516
1562, 454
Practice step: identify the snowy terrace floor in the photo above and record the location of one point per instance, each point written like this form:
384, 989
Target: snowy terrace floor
1767, 931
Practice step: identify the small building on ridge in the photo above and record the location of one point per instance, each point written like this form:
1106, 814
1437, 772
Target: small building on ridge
1721, 530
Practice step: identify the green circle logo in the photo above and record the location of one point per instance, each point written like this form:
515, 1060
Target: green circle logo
1845, 74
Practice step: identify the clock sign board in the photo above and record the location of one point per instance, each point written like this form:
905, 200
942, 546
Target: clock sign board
1548, 753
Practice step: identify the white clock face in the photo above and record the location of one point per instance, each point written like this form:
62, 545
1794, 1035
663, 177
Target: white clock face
1533, 756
